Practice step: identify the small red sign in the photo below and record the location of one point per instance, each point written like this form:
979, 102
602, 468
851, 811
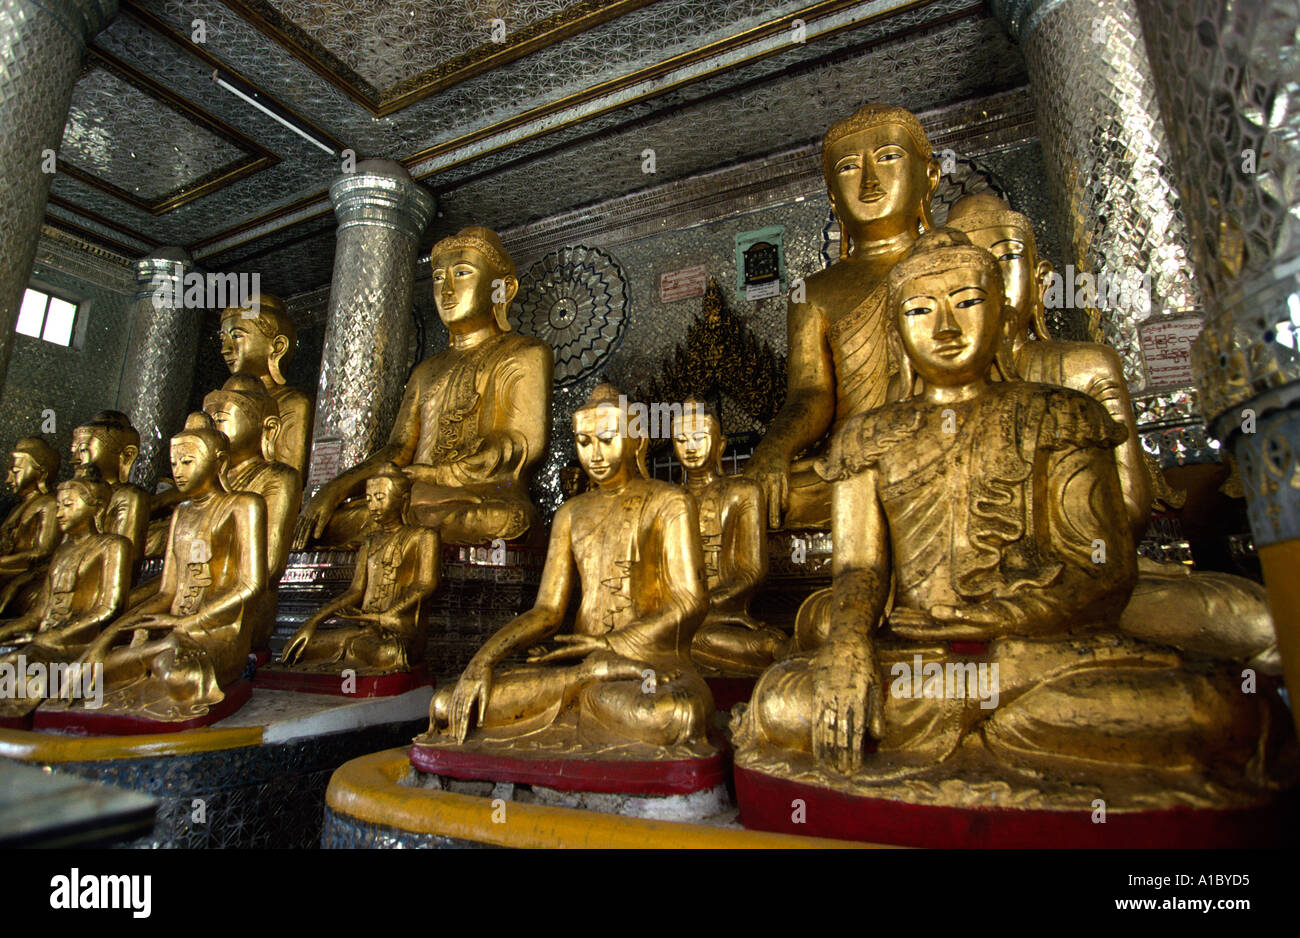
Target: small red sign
682, 284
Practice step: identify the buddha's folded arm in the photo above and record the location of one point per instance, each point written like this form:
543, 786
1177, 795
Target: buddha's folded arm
248, 515
742, 559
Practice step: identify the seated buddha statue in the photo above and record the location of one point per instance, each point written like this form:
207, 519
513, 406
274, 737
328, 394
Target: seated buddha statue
1207, 613
475, 419
259, 340
86, 586
631, 547
169, 656
385, 607
733, 533
105, 449
993, 508
880, 177
30, 532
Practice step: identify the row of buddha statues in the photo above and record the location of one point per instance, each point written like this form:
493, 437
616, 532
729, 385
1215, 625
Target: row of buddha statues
984, 485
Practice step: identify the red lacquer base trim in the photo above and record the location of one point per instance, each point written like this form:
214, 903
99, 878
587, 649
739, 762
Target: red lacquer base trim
729, 691
23, 722
767, 803
98, 723
675, 777
304, 682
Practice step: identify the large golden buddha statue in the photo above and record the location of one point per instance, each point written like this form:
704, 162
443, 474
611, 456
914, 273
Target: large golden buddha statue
397, 572
995, 510
880, 176
105, 448
30, 531
733, 533
1203, 612
259, 340
86, 586
168, 657
475, 419
624, 675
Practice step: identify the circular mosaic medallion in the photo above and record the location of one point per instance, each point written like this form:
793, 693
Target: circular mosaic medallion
575, 299
965, 176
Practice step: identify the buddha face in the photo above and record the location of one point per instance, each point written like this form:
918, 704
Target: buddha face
605, 453
246, 348
91, 449
462, 287
239, 426
1010, 247
878, 181
23, 472
383, 500
697, 441
950, 322
71, 509
193, 465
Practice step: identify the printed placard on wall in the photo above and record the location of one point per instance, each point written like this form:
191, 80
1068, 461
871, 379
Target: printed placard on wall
760, 262
1167, 348
683, 284
325, 457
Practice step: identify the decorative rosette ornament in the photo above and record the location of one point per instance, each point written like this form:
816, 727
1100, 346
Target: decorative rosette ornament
575, 299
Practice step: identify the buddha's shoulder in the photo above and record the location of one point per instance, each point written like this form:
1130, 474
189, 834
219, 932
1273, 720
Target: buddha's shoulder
1073, 356
1069, 417
106, 541
287, 395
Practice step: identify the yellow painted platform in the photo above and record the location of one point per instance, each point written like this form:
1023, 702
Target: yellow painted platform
53, 748
366, 789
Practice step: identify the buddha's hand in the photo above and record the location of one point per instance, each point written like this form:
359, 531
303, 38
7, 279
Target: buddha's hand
771, 470
316, 514
294, 648
847, 704
471, 692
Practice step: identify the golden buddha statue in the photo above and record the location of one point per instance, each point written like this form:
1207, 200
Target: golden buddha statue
86, 586
30, 532
169, 656
733, 533
1205, 613
397, 571
474, 422
259, 340
104, 449
631, 546
880, 176
995, 510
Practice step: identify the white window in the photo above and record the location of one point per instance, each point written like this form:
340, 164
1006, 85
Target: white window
47, 317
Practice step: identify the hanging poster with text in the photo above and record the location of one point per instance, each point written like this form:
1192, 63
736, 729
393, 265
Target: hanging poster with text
1167, 348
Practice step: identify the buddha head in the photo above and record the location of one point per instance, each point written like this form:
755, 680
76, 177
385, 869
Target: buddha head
33, 465
388, 492
199, 454
258, 339
107, 442
697, 436
246, 414
610, 447
474, 280
880, 175
1009, 236
79, 502
946, 298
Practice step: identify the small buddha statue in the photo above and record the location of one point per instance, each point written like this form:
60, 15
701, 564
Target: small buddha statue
30, 532
108, 445
169, 656
880, 176
631, 548
259, 340
397, 572
1209, 613
984, 501
86, 586
475, 419
733, 533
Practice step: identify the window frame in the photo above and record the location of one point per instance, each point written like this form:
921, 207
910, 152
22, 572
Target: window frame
80, 314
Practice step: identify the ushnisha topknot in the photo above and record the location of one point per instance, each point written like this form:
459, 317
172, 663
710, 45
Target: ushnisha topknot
400, 480
603, 395
246, 392
937, 251
873, 115
110, 423
486, 242
699, 407
44, 455
981, 210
